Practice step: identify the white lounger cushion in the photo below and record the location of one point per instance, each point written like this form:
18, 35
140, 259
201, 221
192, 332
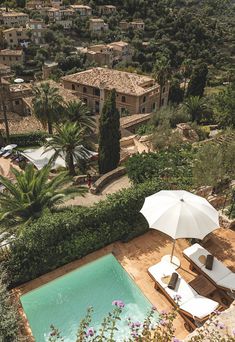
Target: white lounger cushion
199, 306
228, 281
194, 252
219, 271
220, 274
160, 270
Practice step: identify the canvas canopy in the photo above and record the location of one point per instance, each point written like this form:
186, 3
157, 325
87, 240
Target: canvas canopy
40, 157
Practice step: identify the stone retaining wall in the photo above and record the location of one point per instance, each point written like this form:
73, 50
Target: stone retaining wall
106, 178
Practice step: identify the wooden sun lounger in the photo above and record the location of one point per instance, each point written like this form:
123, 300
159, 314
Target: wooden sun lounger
195, 254
191, 322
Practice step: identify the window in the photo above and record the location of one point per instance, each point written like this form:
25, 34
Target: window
154, 106
123, 110
11, 40
16, 58
162, 102
17, 102
73, 86
10, 58
85, 101
144, 99
96, 92
10, 35
18, 34
123, 98
84, 90
164, 89
97, 106
143, 110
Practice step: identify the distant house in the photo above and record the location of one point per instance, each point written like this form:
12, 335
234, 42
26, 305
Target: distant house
16, 36
13, 19
36, 27
136, 25
56, 3
84, 11
107, 54
10, 57
122, 51
97, 25
35, 4
59, 15
107, 9
135, 93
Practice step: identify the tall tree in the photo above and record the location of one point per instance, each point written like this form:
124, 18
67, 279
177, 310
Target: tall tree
68, 143
195, 107
198, 80
224, 107
32, 192
162, 71
77, 111
47, 102
109, 135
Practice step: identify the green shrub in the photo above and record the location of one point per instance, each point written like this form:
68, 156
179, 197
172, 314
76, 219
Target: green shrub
174, 165
9, 323
61, 237
28, 139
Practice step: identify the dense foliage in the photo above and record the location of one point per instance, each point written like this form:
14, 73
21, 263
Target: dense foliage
56, 239
28, 139
109, 135
9, 322
172, 165
33, 192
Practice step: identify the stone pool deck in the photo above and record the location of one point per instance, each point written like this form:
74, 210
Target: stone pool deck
139, 254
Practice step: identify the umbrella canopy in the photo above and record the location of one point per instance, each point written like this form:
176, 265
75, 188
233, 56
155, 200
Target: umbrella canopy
19, 80
10, 147
180, 214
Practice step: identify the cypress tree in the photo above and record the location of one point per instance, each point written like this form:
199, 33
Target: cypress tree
198, 80
109, 135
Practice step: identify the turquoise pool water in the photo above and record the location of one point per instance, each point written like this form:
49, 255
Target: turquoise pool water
63, 301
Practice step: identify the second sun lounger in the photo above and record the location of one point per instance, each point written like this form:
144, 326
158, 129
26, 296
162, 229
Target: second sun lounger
220, 275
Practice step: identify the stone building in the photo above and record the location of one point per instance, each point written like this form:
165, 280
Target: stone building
13, 19
136, 25
10, 57
135, 93
107, 9
16, 36
36, 28
84, 11
97, 25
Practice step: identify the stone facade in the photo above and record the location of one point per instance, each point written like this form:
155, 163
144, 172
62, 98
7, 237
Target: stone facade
13, 19
10, 57
135, 93
15, 37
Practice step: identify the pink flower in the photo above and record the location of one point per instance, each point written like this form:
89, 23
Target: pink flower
154, 308
137, 324
176, 339
118, 303
233, 332
90, 332
163, 312
177, 298
220, 325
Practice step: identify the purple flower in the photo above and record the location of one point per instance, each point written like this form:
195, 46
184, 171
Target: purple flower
177, 297
118, 303
134, 334
163, 312
217, 312
90, 332
220, 325
137, 324
154, 308
176, 339
163, 322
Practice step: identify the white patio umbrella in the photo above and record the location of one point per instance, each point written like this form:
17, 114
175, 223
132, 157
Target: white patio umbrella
180, 214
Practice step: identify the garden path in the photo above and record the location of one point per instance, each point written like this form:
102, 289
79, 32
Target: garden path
89, 199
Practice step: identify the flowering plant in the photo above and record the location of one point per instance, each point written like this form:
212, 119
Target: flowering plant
147, 331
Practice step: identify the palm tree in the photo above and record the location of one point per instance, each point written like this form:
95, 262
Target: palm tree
68, 143
162, 71
32, 192
46, 104
77, 111
195, 106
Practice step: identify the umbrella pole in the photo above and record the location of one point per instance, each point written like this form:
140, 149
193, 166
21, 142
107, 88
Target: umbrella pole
173, 248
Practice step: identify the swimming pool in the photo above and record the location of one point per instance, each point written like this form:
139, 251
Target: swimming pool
63, 302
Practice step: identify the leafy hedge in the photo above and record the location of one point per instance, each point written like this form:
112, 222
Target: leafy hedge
58, 238
28, 139
174, 165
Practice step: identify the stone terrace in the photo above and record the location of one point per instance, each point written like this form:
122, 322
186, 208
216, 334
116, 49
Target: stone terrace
139, 254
